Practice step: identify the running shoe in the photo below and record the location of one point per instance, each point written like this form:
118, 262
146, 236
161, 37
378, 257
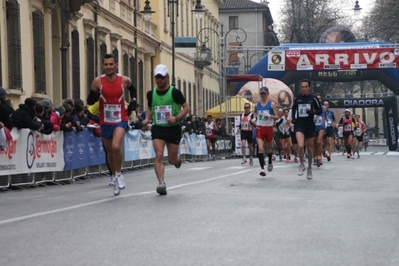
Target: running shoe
281, 159
309, 174
328, 158
358, 156
270, 167
301, 170
319, 163
353, 156
214, 158
244, 161
121, 182
324, 154
262, 172
348, 156
315, 161
161, 189
251, 161
274, 158
287, 160
209, 158
296, 159
111, 180
178, 164
117, 190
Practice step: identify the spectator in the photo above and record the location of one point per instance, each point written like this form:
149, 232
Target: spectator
48, 127
5, 120
80, 119
10, 106
25, 116
48, 108
68, 123
56, 117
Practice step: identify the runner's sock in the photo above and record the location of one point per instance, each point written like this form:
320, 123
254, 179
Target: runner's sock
270, 157
261, 158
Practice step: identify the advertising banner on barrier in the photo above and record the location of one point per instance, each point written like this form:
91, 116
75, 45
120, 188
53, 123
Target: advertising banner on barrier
146, 149
342, 59
201, 145
82, 149
131, 144
36, 153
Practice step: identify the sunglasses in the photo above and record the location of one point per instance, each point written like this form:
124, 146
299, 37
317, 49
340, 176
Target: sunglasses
160, 77
246, 107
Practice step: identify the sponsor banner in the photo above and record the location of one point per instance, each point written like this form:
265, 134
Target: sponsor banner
338, 59
76, 149
96, 150
31, 152
276, 60
146, 151
201, 145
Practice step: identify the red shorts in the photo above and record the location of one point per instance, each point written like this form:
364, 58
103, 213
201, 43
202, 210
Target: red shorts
265, 133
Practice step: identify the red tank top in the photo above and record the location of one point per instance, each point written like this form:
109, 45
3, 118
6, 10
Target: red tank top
112, 101
348, 126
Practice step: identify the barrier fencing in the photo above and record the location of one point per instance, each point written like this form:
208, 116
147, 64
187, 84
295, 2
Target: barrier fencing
33, 158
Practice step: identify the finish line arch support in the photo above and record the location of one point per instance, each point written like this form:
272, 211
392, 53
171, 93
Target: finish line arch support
390, 108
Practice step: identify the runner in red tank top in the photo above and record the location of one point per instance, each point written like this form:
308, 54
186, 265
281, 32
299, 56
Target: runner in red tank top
109, 90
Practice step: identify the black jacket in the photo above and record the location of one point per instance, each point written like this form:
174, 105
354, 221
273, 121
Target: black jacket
23, 117
4, 117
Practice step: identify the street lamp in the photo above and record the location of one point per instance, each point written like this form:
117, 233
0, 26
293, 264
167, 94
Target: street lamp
147, 12
357, 8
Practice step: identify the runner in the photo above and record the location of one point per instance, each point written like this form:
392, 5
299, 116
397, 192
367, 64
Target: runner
246, 125
304, 108
329, 130
266, 114
277, 137
109, 90
166, 107
360, 131
320, 129
210, 135
283, 126
347, 122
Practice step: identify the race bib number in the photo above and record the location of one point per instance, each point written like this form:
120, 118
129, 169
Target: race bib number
245, 125
162, 113
302, 108
208, 132
112, 113
318, 120
347, 127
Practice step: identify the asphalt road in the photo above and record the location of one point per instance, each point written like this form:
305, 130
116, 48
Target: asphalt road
215, 213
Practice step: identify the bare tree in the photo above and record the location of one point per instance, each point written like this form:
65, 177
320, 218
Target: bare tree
304, 21
382, 23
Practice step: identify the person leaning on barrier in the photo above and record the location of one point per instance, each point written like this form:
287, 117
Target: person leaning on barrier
4, 116
25, 116
80, 119
68, 124
48, 127
56, 117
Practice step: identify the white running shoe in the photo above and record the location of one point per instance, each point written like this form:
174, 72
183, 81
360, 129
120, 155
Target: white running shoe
262, 172
309, 174
270, 167
301, 170
117, 190
244, 161
251, 161
121, 182
111, 180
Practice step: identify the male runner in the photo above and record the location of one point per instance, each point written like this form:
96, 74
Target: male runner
210, 135
109, 90
266, 113
329, 130
304, 108
320, 128
166, 106
246, 126
347, 123
361, 129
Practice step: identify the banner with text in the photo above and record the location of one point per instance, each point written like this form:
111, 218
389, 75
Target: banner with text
342, 59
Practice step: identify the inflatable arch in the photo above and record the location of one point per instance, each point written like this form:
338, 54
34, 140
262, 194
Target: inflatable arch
338, 62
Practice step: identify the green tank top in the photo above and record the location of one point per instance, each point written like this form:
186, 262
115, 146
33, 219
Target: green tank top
162, 107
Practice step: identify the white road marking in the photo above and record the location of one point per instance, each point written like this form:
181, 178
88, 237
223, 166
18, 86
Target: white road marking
39, 214
198, 168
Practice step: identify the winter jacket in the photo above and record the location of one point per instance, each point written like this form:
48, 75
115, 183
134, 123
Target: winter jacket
56, 121
23, 117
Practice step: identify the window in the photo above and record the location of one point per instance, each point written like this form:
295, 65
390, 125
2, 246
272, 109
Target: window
195, 100
233, 22
141, 81
103, 52
184, 89
179, 84
75, 65
189, 100
133, 73
90, 62
126, 72
38, 50
14, 45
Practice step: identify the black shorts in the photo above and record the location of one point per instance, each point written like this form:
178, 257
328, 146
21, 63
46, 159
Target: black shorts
347, 134
212, 140
247, 135
169, 134
293, 138
329, 132
360, 138
309, 132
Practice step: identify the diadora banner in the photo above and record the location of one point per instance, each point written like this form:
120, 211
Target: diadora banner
342, 59
30, 151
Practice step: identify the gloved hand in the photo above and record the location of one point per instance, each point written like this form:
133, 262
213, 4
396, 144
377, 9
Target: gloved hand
310, 112
253, 121
131, 107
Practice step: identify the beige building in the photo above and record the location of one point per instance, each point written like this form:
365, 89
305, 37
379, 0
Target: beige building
53, 48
